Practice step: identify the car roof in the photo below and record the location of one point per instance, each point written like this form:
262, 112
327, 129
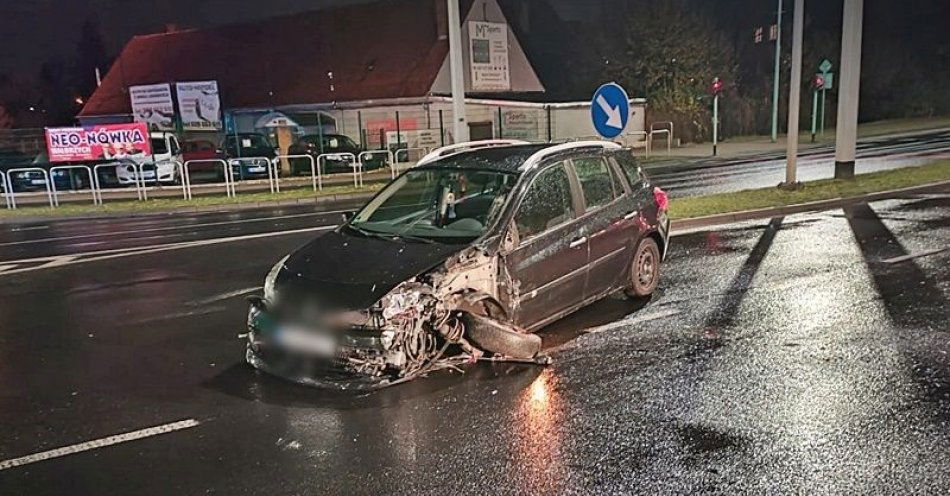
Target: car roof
495, 158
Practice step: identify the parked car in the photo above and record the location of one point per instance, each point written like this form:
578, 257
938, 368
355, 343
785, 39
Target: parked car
159, 166
337, 145
11, 158
461, 257
248, 154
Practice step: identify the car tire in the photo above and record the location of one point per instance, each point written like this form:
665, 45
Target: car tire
644, 269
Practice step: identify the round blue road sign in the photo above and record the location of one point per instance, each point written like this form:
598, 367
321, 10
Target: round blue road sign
610, 110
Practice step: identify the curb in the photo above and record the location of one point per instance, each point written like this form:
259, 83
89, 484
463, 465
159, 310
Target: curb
728, 218
343, 199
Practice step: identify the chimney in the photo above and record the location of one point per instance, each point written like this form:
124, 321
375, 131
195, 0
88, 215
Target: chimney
441, 20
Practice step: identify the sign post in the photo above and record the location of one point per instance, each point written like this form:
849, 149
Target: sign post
716, 89
829, 81
610, 110
818, 83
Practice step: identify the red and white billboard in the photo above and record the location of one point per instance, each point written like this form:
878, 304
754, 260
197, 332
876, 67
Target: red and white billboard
96, 143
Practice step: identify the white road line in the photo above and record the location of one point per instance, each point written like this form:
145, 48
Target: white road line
61, 260
158, 229
904, 258
99, 443
6, 267
225, 296
632, 320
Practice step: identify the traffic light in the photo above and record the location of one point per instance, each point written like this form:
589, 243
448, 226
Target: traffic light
818, 82
716, 87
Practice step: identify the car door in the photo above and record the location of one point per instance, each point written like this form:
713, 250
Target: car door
609, 220
548, 264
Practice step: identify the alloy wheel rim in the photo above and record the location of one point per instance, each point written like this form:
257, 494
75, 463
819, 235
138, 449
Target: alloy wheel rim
646, 269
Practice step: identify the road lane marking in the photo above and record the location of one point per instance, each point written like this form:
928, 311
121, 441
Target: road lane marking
4, 267
159, 229
904, 258
99, 443
92, 256
224, 296
633, 319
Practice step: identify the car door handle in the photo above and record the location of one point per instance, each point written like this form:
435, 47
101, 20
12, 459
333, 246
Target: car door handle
578, 242
631, 215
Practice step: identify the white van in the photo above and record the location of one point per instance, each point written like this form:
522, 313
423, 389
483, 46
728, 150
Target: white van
160, 166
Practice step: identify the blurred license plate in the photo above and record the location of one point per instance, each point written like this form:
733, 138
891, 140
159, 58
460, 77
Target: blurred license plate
306, 341
37, 181
256, 168
148, 174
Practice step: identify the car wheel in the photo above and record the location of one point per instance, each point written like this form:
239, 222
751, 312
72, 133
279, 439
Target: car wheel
645, 269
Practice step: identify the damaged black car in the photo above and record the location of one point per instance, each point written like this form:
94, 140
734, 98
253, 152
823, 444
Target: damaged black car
461, 259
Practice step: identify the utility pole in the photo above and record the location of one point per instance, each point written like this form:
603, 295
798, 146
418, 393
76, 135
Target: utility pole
778, 64
794, 94
460, 126
847, 126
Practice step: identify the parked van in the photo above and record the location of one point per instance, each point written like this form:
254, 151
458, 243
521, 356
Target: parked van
160, 166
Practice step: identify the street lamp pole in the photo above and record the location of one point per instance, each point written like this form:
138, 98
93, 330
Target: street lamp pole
846, 132
794, 94
460, 126
778, 64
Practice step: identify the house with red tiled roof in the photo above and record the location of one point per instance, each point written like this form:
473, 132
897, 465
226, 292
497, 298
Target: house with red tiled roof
372, 71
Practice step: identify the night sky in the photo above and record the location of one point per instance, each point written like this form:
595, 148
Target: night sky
35, 31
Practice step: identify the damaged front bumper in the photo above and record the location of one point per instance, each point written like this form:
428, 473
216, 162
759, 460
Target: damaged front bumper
328, 364
376, 349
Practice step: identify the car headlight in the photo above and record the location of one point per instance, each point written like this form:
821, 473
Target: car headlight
270, 291
234, 162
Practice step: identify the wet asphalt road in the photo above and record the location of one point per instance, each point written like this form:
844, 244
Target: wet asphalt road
795, 355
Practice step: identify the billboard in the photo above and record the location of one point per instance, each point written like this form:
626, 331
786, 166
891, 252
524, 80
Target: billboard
98, 142
488, 51
152, 104
199, 105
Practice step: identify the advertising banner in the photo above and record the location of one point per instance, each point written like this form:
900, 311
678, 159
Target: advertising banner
521, 124
152, 104
488, 44
199, 105
98, 143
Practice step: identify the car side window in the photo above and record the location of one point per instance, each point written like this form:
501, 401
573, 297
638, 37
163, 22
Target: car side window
546, 204
596, 181
630, 167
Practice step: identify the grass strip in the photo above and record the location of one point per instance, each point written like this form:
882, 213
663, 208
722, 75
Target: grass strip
825, 189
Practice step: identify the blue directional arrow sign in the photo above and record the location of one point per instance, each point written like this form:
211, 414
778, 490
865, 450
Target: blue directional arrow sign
610, 110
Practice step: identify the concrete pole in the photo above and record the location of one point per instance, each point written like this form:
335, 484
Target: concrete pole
795, 94
846, 132
778, 65
460, 126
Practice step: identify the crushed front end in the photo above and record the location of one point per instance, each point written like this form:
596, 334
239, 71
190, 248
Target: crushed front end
421, 325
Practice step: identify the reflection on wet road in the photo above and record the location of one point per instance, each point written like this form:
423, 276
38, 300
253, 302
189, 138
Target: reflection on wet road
787, 355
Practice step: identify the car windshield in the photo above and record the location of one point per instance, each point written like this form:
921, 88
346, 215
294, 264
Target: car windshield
248, 141
443, 205
331, 142
158, 146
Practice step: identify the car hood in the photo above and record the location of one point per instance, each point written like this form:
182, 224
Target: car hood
350, 271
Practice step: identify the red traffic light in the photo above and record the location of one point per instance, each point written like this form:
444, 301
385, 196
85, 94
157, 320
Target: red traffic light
716, 87
818, 82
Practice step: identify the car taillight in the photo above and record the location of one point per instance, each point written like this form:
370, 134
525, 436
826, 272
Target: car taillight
659, 196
